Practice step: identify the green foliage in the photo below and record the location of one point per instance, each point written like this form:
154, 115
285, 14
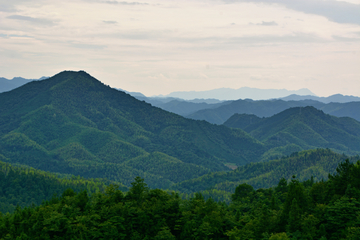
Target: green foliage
23, 186
73, 124
144, 213
300, 128
306, 164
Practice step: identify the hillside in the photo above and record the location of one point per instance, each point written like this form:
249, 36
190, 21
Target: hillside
301, 129
23, 186
315, 163
291, 210
268, 108
72, 123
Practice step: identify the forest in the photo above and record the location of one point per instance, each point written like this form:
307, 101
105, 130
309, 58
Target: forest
73, 124
291, 210
80, 160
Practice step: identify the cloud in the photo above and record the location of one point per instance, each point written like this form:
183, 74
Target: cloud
6, 8
267, 23
125, 3
258, 40
336, 11
87, 46
14, 35
345, 39
39, 21
110, 22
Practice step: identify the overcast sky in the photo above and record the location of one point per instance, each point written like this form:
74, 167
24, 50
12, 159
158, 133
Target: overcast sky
161, 46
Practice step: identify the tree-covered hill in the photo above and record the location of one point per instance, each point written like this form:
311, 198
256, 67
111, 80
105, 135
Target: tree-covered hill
23, 186
305, 165
301, 128
72, 123
291, 210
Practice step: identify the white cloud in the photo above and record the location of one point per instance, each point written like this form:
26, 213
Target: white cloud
110, 22
337, 11
124, 3
162, 46
38, 21
272, 23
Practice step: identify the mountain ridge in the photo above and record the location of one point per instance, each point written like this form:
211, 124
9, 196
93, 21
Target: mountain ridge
235, 94
72, 123
304, 127
267, 108
10, 84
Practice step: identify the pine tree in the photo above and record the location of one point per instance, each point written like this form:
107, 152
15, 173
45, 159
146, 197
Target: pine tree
294, 217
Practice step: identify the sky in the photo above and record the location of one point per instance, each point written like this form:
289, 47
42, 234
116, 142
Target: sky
162, 46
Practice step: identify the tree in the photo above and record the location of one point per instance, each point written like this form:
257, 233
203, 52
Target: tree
294, 217
138, 190
242, 191
279, 236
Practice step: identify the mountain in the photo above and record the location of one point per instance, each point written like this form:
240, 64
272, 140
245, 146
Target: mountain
72, 123
337, 98
317, 163
262, 108
302, 128
241, 93
177, 105
23, 186
267, 108
242, 120
182, 107
7, 85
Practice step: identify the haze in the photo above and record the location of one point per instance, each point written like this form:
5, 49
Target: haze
157, 47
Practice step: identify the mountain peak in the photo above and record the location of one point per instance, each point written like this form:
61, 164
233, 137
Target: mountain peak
79, 80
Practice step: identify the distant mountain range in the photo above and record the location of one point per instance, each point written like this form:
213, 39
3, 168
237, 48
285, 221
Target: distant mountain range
190, 108
337, 98
7, 85
241, 93
267, 108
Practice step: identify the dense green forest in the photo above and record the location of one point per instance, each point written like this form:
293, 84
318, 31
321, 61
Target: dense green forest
23, 186
297, 129
305, 165
71, 147
71, 123
291, 210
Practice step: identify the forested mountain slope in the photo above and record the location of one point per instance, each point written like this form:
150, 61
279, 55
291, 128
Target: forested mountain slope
182, 107
315, 163
72, 123
302, 128
291, 210
268, 108
23, 186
